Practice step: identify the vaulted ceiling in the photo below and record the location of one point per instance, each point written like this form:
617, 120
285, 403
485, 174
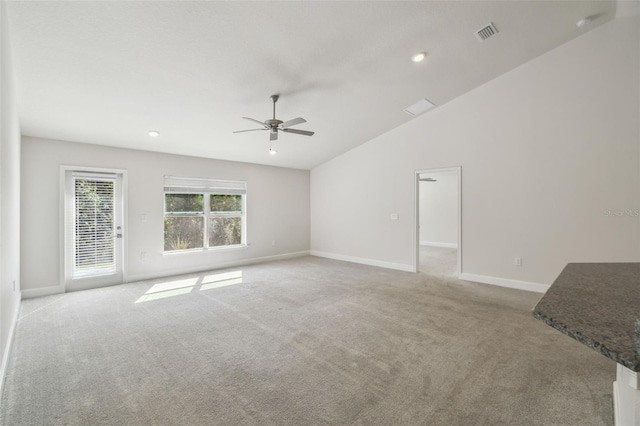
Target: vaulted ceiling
108, 72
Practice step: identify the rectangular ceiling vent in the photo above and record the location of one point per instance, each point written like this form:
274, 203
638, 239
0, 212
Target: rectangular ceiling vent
487, 31
419, 107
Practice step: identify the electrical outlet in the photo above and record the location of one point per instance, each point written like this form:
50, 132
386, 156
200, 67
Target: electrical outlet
394, 216
273, 243
143, 255
143, 218
517, 261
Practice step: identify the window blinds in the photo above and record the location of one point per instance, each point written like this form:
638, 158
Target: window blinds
186, 185
93, 226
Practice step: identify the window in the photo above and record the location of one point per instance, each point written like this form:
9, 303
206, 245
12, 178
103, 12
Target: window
183, 221
203, 213
225, 220
93, 226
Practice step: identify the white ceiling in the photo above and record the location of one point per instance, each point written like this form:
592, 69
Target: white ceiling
107, 72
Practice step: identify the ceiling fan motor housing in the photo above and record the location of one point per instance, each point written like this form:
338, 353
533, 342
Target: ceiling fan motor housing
273, 124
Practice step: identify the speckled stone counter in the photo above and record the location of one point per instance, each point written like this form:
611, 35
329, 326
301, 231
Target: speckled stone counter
597, 304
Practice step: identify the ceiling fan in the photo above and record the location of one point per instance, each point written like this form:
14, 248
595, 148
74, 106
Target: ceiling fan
274, 125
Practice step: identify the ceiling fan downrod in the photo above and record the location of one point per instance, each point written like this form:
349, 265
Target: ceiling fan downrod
274, 99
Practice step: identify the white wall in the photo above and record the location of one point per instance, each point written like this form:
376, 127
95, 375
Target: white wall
9, 197
277, 209
545, 149
439, 210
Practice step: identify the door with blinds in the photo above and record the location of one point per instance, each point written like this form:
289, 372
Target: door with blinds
94, 232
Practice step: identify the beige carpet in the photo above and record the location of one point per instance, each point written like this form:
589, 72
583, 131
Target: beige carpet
307, 341
438, 261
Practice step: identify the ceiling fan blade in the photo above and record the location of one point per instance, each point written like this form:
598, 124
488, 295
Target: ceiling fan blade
293, 122
248, 130
299, 132
273, 136
256, 121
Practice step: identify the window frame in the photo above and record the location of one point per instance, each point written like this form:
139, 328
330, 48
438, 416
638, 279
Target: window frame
185, 214
206, 188
212, 214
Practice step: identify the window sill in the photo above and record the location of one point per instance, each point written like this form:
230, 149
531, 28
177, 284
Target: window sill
206, 250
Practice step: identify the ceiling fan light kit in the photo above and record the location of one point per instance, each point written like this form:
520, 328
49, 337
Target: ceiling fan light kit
274, 125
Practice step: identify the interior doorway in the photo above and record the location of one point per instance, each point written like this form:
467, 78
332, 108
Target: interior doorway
438, 222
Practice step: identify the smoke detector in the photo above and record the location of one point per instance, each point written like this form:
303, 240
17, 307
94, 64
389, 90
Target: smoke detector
487, 31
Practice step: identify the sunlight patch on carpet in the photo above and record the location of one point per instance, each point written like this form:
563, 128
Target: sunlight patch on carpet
162, 290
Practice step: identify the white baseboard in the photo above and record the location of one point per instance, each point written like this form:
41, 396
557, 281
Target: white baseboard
211, 266
437, 244
505, 282
30, 293
7, 349
371, 262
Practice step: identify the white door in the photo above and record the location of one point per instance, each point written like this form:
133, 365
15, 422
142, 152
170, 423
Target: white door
93, 234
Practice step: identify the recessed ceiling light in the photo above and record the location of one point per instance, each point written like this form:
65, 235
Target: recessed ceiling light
273, 151
419, 57
583, 22
154, 133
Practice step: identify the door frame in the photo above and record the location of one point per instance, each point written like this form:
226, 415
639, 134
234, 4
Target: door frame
64, 169
416, 221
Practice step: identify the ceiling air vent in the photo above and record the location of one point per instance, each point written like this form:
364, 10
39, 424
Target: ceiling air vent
419, 107
487, 31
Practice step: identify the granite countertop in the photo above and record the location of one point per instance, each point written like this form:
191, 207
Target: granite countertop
598, 304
